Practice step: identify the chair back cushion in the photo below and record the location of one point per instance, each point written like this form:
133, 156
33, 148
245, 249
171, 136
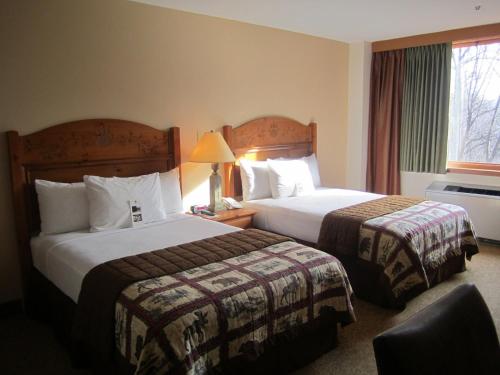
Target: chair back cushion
454, 335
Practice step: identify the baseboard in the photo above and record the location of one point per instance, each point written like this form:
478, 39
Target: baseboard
11, 308
489, 242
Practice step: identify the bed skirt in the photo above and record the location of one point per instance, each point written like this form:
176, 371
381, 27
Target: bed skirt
370, 283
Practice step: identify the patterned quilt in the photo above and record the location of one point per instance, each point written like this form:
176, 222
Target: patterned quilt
409, 243
192, 321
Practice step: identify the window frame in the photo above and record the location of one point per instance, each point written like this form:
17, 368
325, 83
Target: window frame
486, 169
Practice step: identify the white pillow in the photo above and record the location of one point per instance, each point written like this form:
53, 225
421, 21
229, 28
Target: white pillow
171, 191
312, 163
254, 179
63, 207
289, 178
109, 198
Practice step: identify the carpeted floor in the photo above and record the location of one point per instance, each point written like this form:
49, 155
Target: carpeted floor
29, 347
354, 355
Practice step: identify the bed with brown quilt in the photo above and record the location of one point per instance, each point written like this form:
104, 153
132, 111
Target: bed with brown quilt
393, 247
179, 295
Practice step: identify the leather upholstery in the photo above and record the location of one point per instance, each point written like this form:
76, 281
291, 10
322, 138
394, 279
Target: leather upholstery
454, 335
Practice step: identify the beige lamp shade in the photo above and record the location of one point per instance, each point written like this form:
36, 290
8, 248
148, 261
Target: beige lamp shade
212, 148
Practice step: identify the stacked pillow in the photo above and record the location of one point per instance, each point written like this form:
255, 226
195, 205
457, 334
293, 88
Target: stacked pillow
109, 200
279, 178
63, 207
101, 203
254, 179
289, 178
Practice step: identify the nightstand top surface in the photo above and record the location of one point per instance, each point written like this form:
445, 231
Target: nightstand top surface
225, 215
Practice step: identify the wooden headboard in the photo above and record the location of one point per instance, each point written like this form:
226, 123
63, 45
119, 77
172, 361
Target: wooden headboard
67, 152
263, 138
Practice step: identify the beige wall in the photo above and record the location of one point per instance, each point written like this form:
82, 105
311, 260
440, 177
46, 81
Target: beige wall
357, 134
66, 60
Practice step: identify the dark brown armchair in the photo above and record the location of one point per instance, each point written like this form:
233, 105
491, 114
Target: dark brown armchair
454, 335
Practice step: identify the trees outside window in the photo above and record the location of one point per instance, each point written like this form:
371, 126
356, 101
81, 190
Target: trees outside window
474, 121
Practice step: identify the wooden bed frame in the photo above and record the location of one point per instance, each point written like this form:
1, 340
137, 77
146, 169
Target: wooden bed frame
263, 138
67, 152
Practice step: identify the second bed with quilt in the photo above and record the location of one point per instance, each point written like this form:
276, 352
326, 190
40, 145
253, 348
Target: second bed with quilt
392, 247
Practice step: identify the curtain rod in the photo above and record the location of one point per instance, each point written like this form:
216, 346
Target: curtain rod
491, 31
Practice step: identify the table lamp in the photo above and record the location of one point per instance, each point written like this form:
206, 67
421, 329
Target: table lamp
212, 148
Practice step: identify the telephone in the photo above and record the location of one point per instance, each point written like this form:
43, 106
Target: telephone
230, 203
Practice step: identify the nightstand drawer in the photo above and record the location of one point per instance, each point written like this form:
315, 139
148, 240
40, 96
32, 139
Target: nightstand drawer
240, 222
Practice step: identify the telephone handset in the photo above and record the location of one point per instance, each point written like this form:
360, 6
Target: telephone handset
231, 203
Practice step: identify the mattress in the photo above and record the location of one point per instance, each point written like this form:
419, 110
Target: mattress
301, 217
66, 258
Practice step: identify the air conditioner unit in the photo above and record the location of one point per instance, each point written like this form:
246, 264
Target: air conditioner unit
481, 202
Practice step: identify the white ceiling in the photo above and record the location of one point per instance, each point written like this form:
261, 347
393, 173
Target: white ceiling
348, 20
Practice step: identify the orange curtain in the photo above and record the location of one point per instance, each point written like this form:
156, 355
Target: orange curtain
386, 98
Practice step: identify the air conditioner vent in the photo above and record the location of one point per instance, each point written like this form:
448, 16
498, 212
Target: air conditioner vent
470, 190
482, 202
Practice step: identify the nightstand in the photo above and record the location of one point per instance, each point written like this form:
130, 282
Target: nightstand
238, 217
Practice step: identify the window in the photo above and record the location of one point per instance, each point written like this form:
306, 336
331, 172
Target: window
474, 118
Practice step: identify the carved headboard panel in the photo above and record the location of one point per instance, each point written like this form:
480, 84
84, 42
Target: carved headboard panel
66, 152
263, 138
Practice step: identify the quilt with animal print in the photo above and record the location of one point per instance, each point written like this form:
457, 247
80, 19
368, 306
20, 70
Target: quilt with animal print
194, 321
410, 244
93, 326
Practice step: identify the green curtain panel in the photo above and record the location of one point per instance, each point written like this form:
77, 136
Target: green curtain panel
424, 119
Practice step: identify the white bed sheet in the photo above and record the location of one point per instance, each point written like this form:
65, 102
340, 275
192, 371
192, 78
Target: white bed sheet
66, 258
301, 217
